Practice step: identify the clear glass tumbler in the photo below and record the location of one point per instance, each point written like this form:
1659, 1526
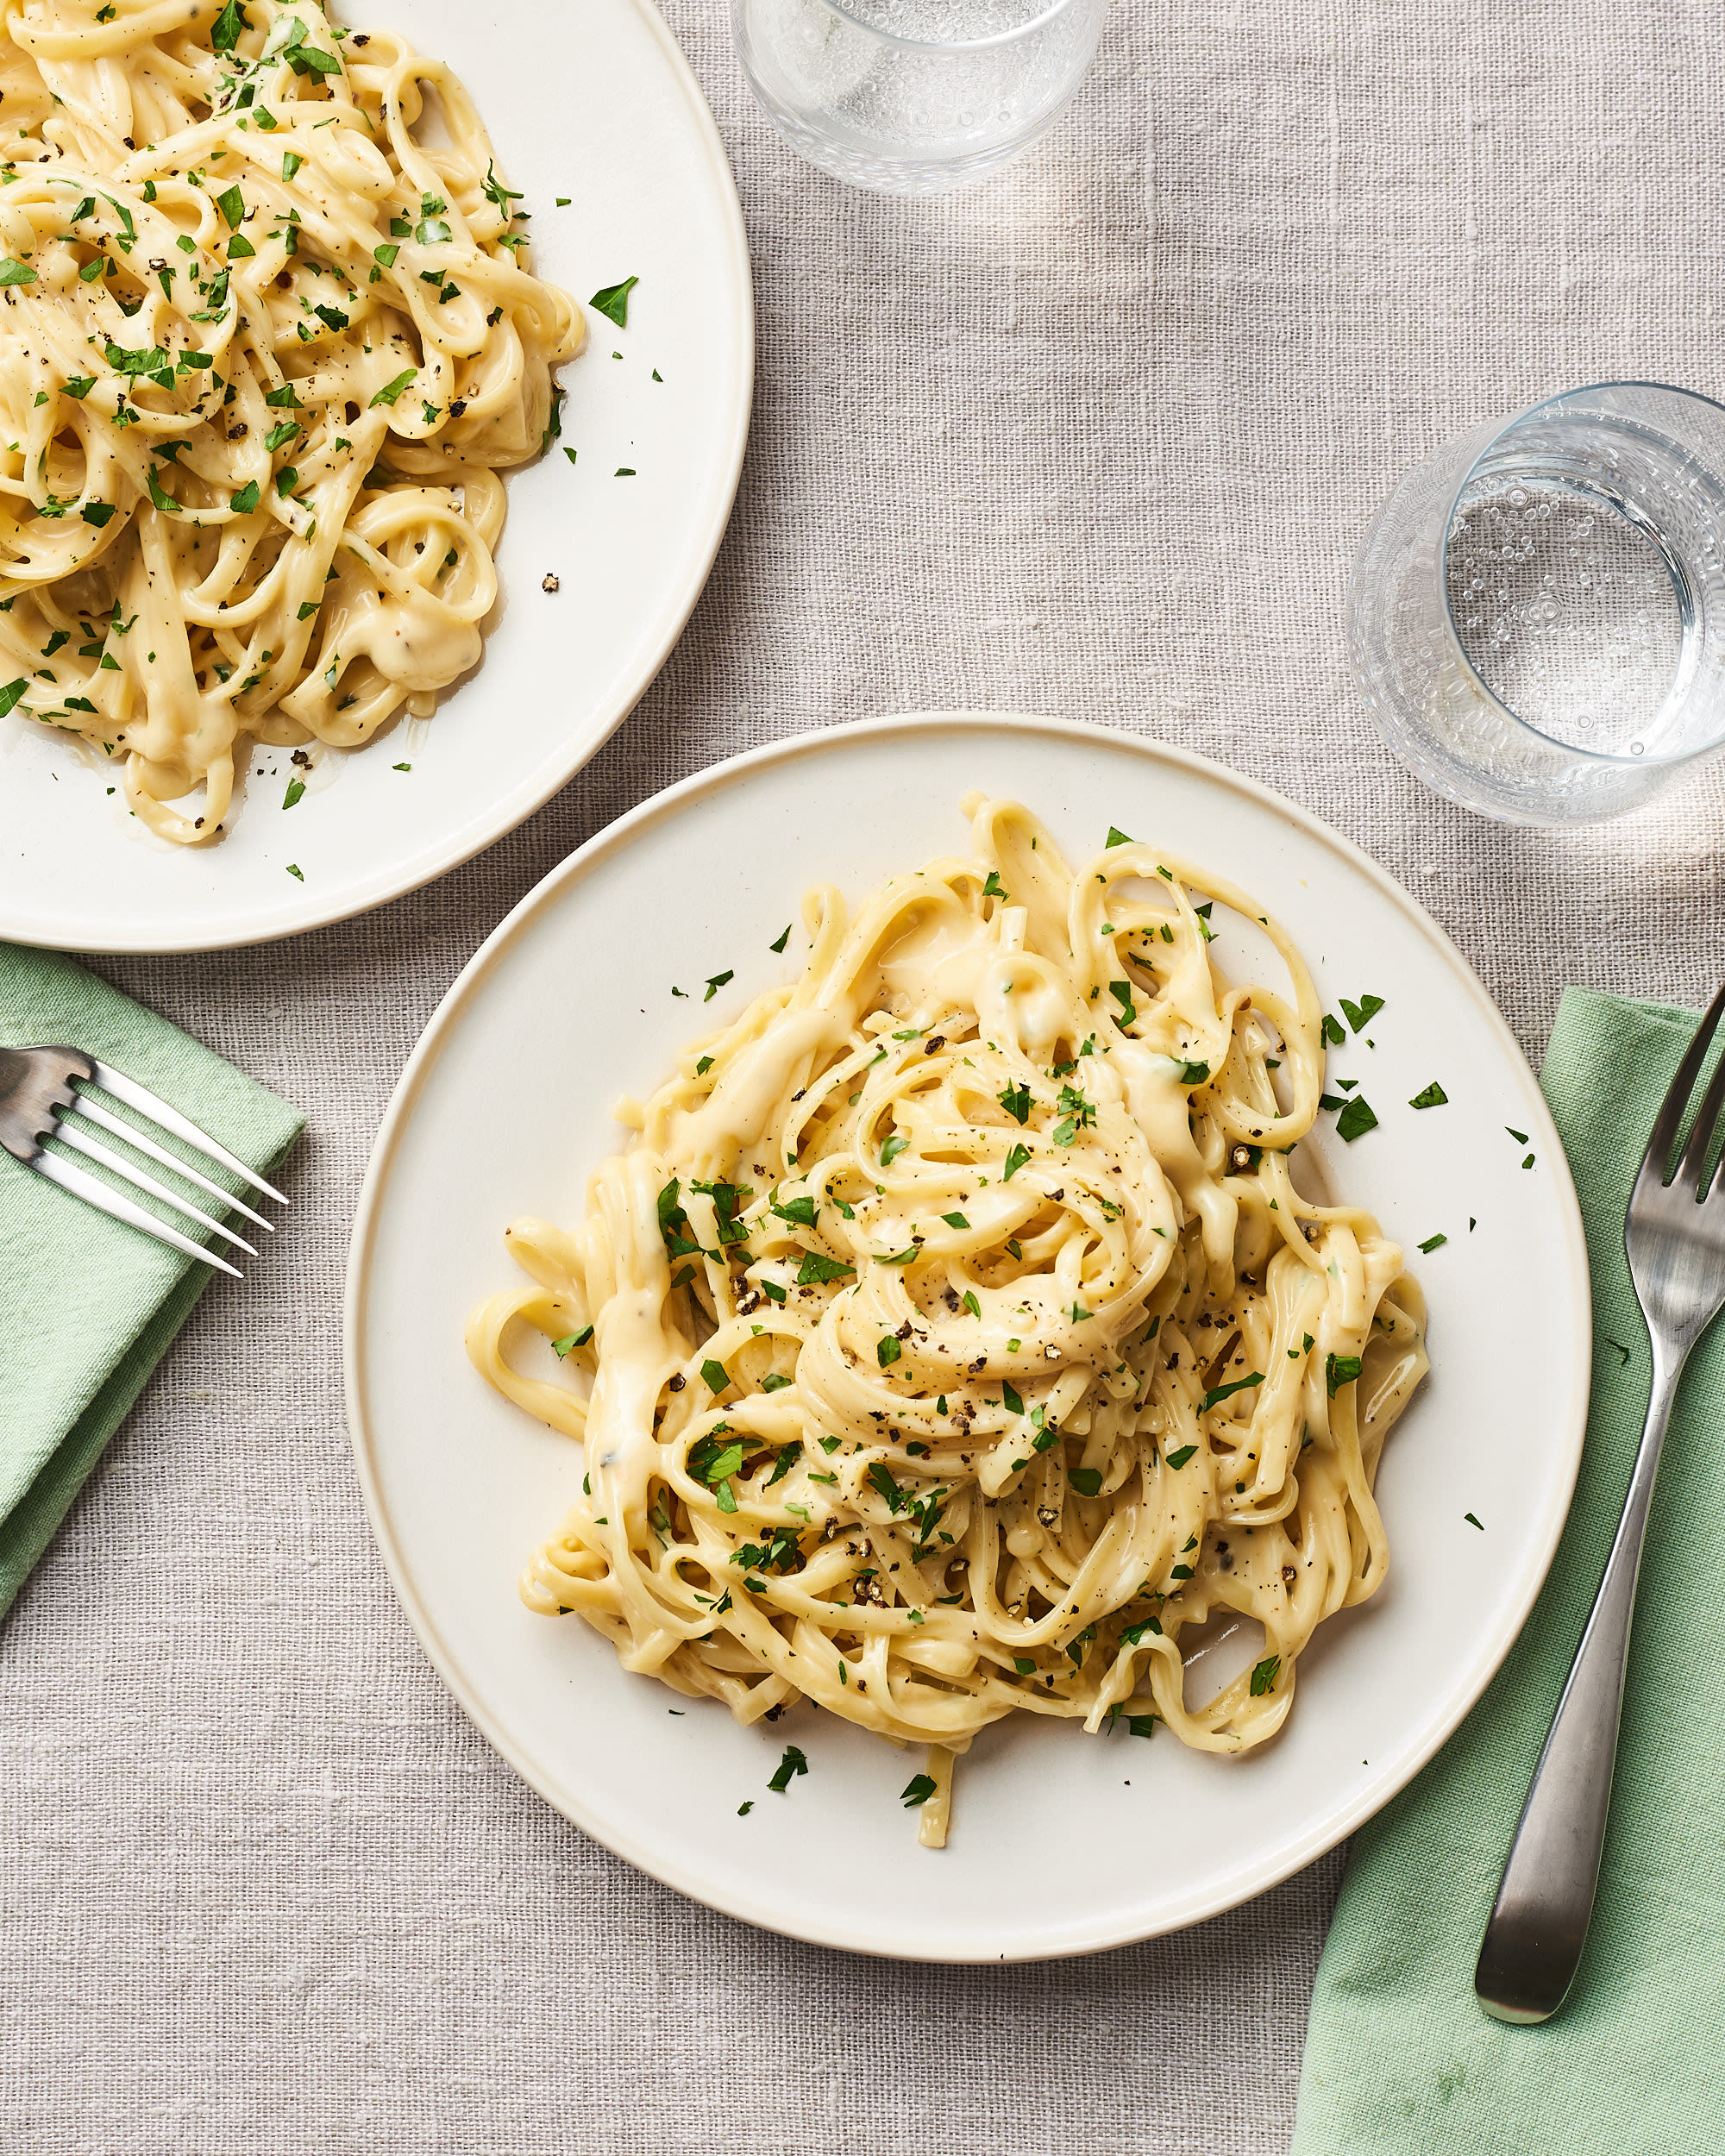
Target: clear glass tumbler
914, 97
1537, 619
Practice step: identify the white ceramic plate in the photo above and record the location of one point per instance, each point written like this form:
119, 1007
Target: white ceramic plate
1060, 1843
593, 102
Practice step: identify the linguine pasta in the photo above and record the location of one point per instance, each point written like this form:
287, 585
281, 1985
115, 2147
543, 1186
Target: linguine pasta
266, 341
958, 1342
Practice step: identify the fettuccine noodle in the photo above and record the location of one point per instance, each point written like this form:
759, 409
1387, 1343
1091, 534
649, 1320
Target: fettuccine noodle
264, 347
958, 1340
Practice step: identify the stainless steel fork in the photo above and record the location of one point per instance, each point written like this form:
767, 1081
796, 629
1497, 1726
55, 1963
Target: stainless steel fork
1675, 1240
38, 1101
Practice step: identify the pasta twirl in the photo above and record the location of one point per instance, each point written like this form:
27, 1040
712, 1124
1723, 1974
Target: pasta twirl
958, 1338
266, 338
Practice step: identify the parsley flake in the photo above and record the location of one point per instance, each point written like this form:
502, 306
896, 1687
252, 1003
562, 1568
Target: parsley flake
792, 1764
612, 301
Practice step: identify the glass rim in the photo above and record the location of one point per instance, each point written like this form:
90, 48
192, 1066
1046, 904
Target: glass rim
846, 9
1596, 756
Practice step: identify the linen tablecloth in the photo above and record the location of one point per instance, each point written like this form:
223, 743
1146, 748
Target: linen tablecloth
1097, 440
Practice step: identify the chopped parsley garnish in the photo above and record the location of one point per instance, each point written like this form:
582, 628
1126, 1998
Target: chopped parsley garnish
801, 1210
612, 302
1194, 1074
816, 1270
955, 1220
1519, 1136
782, 941
1180, 1458
390, 390
1434, 1242
1011, 1398
793, 1763
1469, 1517
994, 888
1359, 1014
1117, 837
715, 984
715, 1375
495, 192
1015, 1160
296, 788
917, 1790
11, 694
1432, 1096
1015, 1099
884, 1481
1264, 1675
14, 273
714, 1464
1225, 1392
1330, 1030
225, 32
1121, 992
1340, 1371
969, 1302
246, 499
897, 1144
560, 1348
781, 1552
1087, 1481
232, 204
1355, 1119
887, 1350
1133, 1634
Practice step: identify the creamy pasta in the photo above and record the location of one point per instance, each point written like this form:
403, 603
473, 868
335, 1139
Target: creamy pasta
955, 1339
269, 334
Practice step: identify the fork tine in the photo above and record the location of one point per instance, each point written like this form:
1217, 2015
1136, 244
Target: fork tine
137, 1096
1669, 1120
112, 1162
1692, 1166
135, 1136
73, 1178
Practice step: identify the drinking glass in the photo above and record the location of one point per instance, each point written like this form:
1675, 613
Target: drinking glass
914, 96
1537, 619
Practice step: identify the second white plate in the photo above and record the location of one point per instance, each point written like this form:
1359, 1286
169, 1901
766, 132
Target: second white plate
605, 113
1060, 1843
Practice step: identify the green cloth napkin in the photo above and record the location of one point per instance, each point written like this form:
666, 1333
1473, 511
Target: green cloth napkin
1399, 2056
87, 1304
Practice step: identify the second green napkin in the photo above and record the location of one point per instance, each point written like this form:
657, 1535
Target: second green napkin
87, 1304
1399, 2057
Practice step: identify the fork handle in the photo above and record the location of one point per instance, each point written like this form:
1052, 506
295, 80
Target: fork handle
1538, 1925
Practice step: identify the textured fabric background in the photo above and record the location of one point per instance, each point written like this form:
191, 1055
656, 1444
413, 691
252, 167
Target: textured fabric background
1099, 441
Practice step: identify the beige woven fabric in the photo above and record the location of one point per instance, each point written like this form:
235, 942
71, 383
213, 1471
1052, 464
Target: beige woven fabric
1097, 440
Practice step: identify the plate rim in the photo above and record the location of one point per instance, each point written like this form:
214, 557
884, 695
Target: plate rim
538, 789
554, 888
